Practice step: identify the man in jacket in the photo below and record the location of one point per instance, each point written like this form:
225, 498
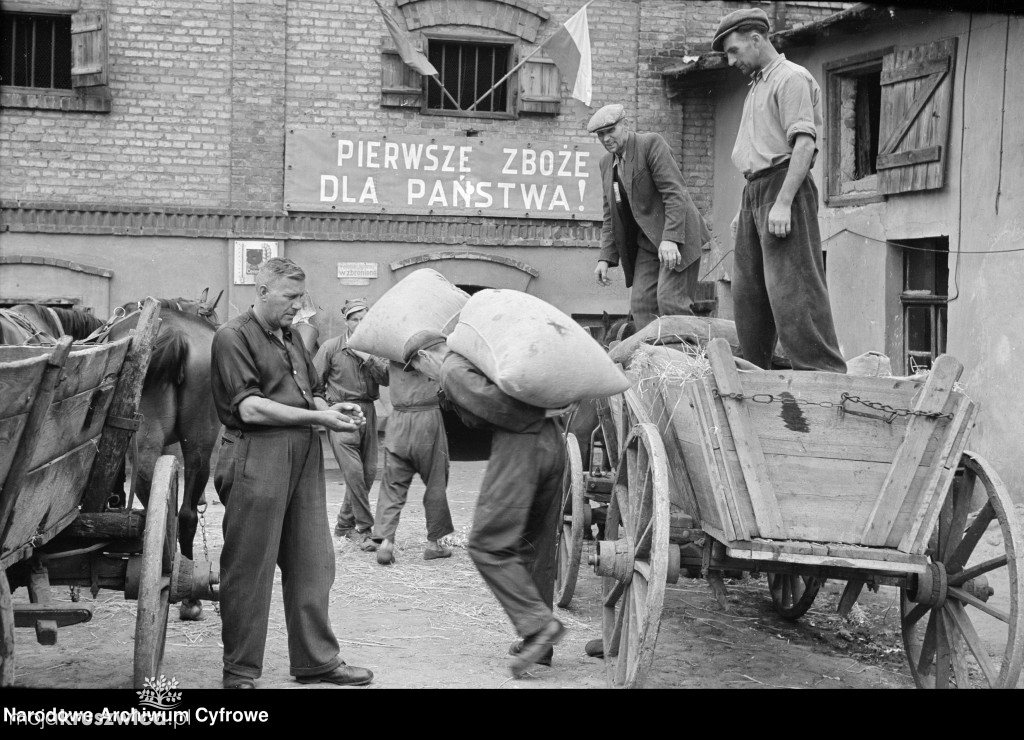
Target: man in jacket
651, 227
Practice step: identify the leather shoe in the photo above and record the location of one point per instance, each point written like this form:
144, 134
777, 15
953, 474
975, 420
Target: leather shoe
595, 648
343, 675
432, 553
536, 646
234, 681
517, 647
340, 531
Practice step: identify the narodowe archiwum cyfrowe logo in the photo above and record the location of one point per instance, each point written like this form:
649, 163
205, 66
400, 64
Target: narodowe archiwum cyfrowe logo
160, 693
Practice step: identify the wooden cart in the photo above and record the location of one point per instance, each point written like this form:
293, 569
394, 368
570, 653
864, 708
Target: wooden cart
805, 477
67, 413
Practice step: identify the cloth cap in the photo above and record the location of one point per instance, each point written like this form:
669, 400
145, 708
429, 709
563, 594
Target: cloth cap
354, 306
421, 340
736, 19
605, 117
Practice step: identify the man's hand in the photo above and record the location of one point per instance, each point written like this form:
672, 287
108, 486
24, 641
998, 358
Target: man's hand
336, 421
601, 271
668, 253
555, 413
779, 218
353, 410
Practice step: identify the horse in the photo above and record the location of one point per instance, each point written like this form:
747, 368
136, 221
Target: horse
38, 324
200, 307
177, 408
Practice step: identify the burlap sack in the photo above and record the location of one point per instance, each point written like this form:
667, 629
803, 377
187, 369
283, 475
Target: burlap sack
532, 351
695, 330
869, 365
422, 300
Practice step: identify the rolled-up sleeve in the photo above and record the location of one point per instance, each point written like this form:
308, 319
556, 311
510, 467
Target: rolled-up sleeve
796, 108
236, 369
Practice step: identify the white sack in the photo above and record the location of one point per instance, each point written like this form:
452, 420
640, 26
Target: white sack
869, 365
422, 300
532, 351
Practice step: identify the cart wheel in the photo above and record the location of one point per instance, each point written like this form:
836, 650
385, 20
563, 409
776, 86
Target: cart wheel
793, 595
634, 558
962, 620
6, 632
159, 548
570, 532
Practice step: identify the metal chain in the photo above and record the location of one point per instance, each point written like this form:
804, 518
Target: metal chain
201, 510
890, 411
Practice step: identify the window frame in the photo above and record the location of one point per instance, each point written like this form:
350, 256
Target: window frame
937, 305
512, 83
91, 97
834, 72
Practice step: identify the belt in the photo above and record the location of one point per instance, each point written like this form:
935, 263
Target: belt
780, 167
418, 407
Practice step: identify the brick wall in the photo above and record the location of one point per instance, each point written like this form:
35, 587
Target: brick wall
203, 92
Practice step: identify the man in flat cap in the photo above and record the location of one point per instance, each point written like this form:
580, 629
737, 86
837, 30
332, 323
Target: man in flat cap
354, 377
651, 227
415, 442
778, 280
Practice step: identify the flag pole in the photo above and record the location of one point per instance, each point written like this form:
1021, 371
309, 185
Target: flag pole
493, 87
445, 91
523, 61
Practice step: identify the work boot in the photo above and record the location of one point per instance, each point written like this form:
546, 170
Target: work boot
536, 647
341, 531
436, 550
386, 552
517, 647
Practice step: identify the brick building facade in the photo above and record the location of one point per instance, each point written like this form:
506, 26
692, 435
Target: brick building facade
143, 183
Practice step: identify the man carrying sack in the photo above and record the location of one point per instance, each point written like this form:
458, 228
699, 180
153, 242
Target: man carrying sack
512, 542
778, 281
354, 377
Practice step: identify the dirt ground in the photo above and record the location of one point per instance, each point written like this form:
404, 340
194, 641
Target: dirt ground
434, 624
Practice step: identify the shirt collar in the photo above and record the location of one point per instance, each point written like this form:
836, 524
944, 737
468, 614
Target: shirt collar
765, 71
266, 329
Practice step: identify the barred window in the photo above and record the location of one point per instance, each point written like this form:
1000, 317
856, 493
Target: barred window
35, 51
924, 299
467, 70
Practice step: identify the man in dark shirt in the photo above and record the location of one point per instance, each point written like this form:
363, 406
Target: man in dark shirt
512, 542
354, 377
270, 477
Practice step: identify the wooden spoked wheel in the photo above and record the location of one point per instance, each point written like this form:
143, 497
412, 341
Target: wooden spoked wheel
962, 621
6, 632
635, 558
573, 521
159, 548
793, 595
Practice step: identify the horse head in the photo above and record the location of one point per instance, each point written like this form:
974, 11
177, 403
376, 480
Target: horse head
200, 307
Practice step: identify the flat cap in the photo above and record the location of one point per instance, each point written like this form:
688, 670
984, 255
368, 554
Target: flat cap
736, 19
421, 340
605, 117
354, 306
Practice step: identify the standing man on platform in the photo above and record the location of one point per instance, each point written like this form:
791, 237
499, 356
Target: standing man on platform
651, 226
778, 284
270, 477
354, 377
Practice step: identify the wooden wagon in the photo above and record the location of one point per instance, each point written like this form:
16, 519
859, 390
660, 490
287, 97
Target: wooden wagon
67, 413
806, 477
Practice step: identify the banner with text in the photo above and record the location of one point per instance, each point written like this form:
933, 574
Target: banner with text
363, 173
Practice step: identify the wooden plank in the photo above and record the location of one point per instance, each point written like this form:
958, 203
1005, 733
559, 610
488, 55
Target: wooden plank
730, 517
50, 493
909, 158
15, 377
19, 469
933, 399
108, 525
675, 410
915, 540
748, 446
114, 442
735, 550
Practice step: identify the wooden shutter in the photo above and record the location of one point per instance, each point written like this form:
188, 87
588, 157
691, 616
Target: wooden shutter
917, 99
89, 49
401, 86
540, 87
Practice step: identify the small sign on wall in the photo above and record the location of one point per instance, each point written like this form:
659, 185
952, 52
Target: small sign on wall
250, 256
356, 273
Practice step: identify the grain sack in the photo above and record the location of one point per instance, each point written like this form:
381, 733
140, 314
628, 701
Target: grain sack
422, 300
532, 351
869, 365
694, 330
